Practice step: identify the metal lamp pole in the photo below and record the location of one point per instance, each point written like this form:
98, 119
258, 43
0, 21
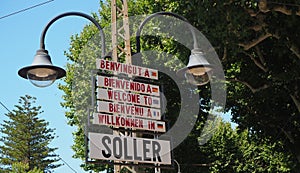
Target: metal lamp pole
42, 72
197, 70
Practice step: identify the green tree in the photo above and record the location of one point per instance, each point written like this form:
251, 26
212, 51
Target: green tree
232, 151
258, 43
26, 139
23, 168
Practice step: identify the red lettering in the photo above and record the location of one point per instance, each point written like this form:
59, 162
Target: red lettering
134, 70
102, 65
149, 114
123, 121
118, 66
122, 107
124, 68
110, 107
117, 121
141, 124
127, 122
146, 73
106, 81
132, 122
151, 125
149, 90
109, 93
101, 118
140, 71
129, 69
107, 65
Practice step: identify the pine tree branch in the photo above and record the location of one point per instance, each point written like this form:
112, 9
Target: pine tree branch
255, 42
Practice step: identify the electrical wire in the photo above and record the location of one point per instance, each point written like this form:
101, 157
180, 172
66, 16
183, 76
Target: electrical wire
65, 162
5, 107
37, 5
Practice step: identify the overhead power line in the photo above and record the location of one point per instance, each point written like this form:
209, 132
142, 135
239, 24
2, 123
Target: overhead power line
65, 163
37, 5
3, 105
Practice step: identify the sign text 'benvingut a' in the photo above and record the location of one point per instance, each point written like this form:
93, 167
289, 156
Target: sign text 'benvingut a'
128, 69
129, 122
124, 148
132, 105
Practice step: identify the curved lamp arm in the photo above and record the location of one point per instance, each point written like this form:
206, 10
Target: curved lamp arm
178, 166
42, 39
198, 69
138, 32
42, 72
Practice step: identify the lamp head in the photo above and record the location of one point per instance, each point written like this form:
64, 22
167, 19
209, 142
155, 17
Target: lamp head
198, 69
42, 72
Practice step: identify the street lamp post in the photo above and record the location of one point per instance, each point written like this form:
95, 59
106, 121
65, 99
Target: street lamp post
197, 70
178, 166
42, 72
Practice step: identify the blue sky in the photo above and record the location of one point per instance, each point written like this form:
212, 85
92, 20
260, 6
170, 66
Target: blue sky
19, 39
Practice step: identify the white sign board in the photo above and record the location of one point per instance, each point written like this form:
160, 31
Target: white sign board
127, 97
129, 122
124, 148
127, 109
128, 85
128, 69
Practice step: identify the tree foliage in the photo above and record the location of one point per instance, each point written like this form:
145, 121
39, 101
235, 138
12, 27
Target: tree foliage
26, 138
258, 44
23, 168
233, 151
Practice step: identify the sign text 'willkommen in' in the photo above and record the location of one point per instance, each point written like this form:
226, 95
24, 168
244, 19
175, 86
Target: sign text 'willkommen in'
129, 122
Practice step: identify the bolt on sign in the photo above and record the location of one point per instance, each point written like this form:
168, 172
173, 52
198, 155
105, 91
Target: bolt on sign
121, 148
128, 104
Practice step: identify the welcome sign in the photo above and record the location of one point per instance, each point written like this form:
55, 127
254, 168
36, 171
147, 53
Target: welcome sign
130, 105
